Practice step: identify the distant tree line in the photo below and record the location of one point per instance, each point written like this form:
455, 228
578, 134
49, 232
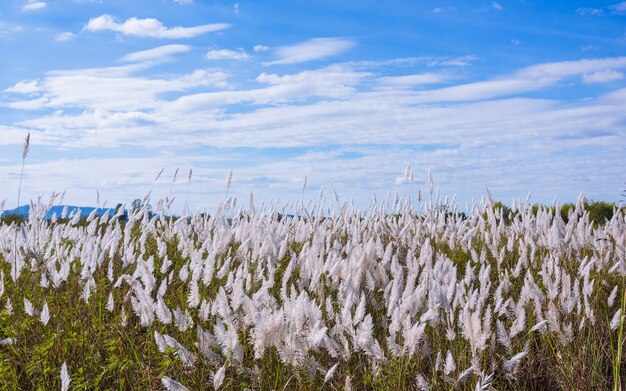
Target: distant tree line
599, 211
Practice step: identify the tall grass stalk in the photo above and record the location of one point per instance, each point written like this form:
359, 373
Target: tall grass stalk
409, 178
170, 199
186, 211
617, 353
229, 182
25, 151
302, 197
156, 179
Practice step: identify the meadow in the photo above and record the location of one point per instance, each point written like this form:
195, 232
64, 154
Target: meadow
405, 294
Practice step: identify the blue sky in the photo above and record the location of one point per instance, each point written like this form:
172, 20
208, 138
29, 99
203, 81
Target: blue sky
514, 96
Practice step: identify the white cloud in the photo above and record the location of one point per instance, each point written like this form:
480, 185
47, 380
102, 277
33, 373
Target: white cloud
11, 136
410, 81
462, 61
64, 37
407, 62
532, 78
483, 90
313, 49
461, 130
226, 54
183, 1
157, 53
33, 5
25, 87
603, 76
436, 10
8, 28
572, 68
149, 27
496, 5
114, 89
112, 72
261, 48
331, 82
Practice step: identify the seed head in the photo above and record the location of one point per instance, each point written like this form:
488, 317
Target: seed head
26, 146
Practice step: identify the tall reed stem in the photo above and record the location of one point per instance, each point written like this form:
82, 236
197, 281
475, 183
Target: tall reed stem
186, 211
24, 154
25, 150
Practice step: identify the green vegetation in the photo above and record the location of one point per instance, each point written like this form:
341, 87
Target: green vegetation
9, 219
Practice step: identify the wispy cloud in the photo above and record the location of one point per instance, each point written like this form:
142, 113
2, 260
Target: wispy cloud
33, 5
408, 62
496, 6
115, 89
183, 1
532, 78
615, 9
24, 87
6, 28
313, 49
158, 53
604, 76
226, 54
563, 69
619, 7
438, 10
587, 48
584, 11
261, 48
411, 81
64, 37
149, 27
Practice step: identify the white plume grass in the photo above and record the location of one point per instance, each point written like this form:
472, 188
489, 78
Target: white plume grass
44, 316
330, 372
65, 378
172, 385
218, 377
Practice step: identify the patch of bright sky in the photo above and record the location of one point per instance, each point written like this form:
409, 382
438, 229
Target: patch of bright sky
514, 96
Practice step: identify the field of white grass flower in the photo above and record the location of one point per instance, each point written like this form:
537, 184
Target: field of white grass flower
397, 296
